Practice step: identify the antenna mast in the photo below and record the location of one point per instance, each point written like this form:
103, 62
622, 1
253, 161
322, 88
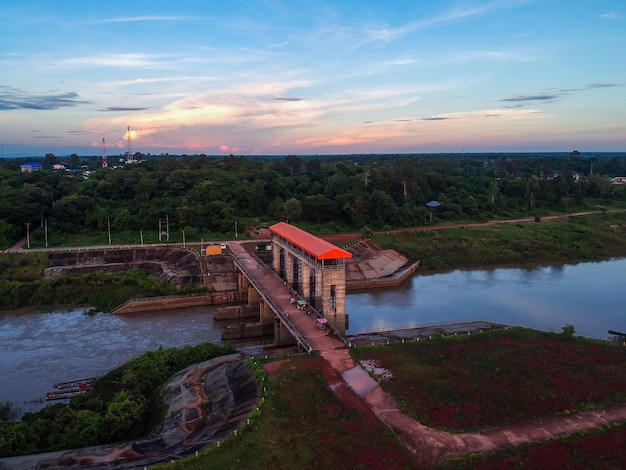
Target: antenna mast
104, 154
129, 152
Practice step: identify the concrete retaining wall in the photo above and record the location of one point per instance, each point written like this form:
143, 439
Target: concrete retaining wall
173, 302
390, 281
236, 312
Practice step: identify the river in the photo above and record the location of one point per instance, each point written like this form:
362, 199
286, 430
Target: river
589, 296
40, 349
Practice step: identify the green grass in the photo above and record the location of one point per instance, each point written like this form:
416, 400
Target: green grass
303, 424
590, 237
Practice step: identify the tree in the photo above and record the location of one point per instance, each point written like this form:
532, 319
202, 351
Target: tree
293, 164
319, 208
74, 161
292, 210
532, 189
405, 173
382, 208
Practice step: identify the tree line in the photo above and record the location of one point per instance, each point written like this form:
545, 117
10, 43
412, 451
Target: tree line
209, 195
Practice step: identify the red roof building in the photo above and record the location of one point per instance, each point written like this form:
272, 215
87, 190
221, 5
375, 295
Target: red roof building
314, 246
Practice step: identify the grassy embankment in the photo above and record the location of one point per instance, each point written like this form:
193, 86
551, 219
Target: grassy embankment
590, 237
463, 382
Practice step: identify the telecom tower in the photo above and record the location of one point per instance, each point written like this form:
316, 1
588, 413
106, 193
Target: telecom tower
129, 152
104, 154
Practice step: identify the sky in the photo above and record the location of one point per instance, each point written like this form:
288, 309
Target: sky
303, 77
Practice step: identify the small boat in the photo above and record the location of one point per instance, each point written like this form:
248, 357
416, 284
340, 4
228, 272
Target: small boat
64, 395
75, 383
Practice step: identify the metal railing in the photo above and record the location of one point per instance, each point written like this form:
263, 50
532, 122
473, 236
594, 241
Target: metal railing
302, 342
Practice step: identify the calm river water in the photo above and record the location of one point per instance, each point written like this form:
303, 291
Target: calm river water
40, 349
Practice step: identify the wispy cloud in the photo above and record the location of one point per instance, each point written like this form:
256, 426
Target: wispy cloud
151, 18
123, 108
551, 97
602, 85
13, 98
134, 60
386, 34
532, 98
612, 15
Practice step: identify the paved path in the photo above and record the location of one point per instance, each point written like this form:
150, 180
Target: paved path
427, 444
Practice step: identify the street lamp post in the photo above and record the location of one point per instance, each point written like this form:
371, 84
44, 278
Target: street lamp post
28, 234
235, 229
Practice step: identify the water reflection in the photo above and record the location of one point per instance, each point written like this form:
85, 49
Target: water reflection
586, 295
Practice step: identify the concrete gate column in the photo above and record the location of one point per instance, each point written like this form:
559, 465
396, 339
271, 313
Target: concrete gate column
305, 273
289, 260
253, 296
276, 253
266, 313
319, 290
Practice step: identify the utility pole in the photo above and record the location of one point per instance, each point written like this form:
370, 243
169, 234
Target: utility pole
104, 154
28, 234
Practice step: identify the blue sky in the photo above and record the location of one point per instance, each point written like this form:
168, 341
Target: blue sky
312, 77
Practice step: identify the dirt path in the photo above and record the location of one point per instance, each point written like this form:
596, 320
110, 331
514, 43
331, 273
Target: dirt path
430, 445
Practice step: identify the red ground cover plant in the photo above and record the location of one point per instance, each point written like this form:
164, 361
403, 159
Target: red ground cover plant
501, 377
319, 423
604, 449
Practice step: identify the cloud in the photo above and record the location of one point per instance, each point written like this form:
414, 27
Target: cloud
14, 98
288, 99
132, 60
123, 108
432, 118
612, 15
439, 118
449, 16
153, 18
226, 148
602, 85
551, 97
532, 98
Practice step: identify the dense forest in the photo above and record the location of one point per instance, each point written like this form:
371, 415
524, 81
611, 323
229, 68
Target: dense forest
209, 196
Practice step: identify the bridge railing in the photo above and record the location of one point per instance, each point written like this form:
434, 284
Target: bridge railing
312, 309
304, 344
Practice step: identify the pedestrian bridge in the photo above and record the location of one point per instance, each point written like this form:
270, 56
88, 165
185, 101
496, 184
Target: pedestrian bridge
304, 267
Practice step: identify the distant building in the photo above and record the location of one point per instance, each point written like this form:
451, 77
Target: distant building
58, 166
433, 204
29, 167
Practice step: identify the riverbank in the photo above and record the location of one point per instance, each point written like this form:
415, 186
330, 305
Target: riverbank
580, 237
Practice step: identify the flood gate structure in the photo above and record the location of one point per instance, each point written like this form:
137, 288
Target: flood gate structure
314, 268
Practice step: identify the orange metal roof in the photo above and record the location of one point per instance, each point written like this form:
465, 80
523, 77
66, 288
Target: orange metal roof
313, 245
